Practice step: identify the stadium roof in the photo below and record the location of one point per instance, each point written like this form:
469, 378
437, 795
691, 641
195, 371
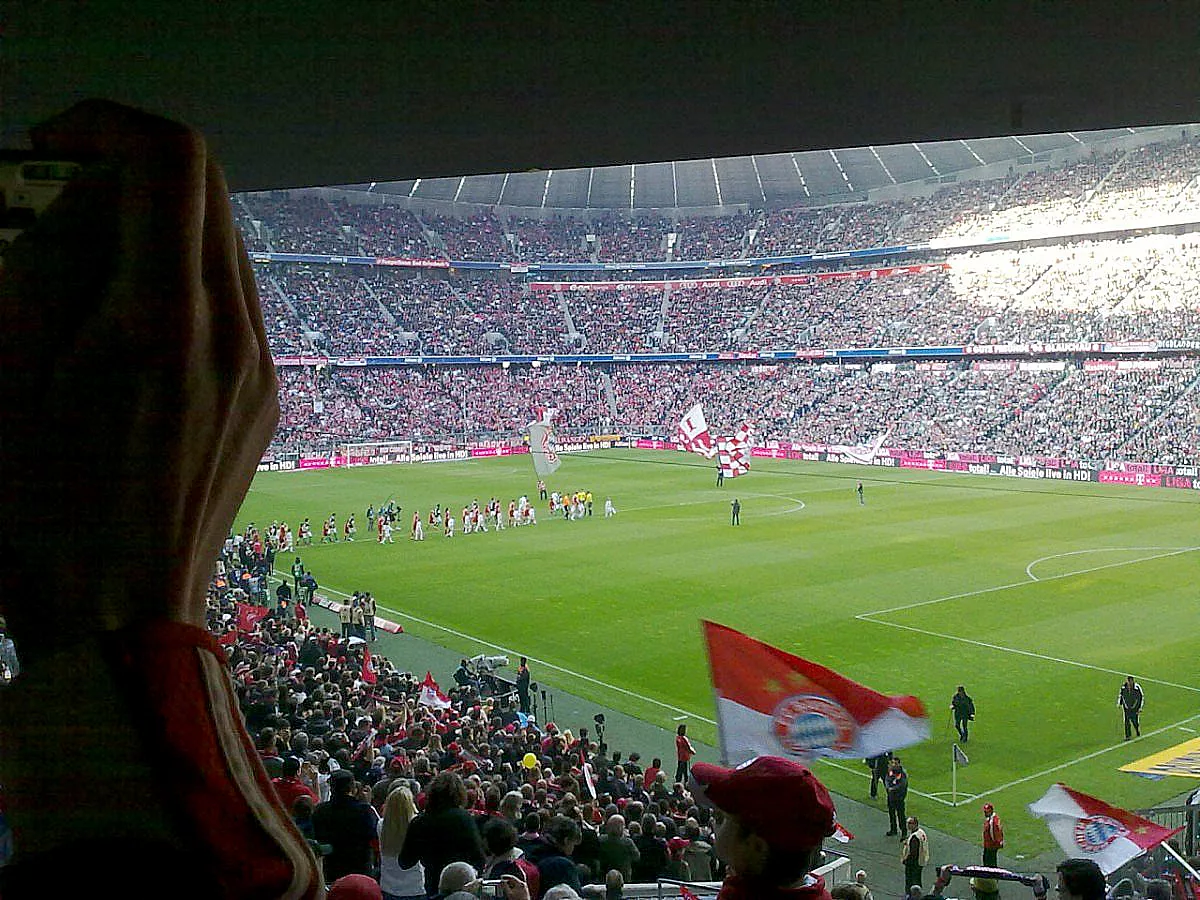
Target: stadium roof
808, 177
306, 92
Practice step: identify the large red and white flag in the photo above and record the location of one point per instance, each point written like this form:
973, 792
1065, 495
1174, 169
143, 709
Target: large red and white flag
248, 616
693, 435
368, 667
542, 447
1092, 829
733, 453
431, 694
771, 703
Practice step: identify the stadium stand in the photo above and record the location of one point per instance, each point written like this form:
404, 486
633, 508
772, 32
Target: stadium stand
1075, 288
304, 697
1052, 409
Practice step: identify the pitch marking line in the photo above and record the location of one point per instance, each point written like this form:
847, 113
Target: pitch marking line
871, 616
1084, 758
1004, 587
835, 764
1029, 568
540, 662
1030, 653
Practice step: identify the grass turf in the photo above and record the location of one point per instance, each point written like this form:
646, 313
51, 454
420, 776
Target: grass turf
1040, 643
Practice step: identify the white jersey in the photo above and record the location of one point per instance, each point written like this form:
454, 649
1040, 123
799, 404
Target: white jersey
609, 509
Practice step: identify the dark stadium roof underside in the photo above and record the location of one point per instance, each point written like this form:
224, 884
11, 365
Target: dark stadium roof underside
814, 177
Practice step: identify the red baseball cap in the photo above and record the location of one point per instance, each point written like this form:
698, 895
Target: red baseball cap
779, 800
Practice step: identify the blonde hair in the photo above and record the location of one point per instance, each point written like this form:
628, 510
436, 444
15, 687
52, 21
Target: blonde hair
398, 811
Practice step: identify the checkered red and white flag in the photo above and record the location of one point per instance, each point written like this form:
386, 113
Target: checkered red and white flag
733, 453
693, 435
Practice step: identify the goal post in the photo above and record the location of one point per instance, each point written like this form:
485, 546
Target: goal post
378, 453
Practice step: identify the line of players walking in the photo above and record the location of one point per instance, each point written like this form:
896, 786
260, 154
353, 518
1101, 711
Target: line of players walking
472, 519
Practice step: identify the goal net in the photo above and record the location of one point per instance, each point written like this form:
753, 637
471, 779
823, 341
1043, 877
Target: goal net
379, 453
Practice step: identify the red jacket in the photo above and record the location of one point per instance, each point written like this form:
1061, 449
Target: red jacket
993, 833
738, 888
289, 789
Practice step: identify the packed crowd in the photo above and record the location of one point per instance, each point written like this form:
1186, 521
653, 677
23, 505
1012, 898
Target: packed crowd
1051, 408
1137, 289
389, 777
1114, 187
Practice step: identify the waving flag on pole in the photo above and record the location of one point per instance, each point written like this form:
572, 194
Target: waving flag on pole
431, 694
248, 616
733, 453
773, 703
863, 454
368, 667
1092, 829
542, 447
693, 435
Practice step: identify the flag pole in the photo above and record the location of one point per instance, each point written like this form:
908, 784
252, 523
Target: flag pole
953, 775
1183, 862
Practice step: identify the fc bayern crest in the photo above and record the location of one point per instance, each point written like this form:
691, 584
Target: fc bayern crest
1095, 833
807, 725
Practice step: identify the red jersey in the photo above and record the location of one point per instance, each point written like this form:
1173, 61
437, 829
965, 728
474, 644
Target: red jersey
683, 748
738, 888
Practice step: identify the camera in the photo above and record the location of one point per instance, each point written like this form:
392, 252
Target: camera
27, 186
491, 887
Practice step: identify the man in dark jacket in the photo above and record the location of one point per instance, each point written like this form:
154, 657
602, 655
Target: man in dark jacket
896, 785
963, 708
348, 826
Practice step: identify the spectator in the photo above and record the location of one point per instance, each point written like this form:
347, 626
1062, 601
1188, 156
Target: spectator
444, 833
455, 877
397, 882
355, 887
506, 858
617, 849
552, 855
775, 816
1080, 879
348, 826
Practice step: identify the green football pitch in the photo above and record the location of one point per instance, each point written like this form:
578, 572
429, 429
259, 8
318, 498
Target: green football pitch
1038, 596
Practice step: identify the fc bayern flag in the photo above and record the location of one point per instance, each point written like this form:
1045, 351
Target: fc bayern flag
249, 616
431, 694
693, 435
1092, 829
771, 703
368, 667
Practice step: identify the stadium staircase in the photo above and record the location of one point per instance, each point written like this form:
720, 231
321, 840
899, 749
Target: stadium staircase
661, 326
265, 278
1090, 193
261, 231
572, 334
610, 396
383, 310
1193, 385
1051, 388
435, 240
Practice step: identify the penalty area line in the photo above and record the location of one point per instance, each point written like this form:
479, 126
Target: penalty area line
541, 662
1014, 584
1056, 659
1080, 759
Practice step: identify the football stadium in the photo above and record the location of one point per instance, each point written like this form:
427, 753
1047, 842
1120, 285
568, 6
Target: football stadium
956, 388
884, 460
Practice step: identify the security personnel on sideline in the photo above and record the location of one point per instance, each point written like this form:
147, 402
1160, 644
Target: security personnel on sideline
1131, 699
